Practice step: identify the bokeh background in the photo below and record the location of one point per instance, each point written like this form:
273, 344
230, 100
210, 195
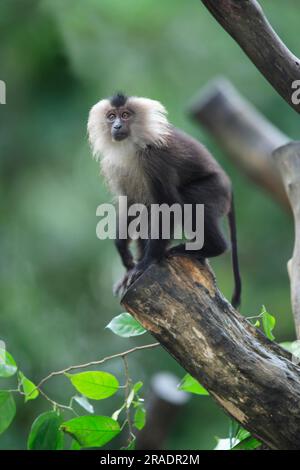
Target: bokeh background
57, 59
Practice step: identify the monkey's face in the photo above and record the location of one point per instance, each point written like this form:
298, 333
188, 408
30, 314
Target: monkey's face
132, 120
119, 121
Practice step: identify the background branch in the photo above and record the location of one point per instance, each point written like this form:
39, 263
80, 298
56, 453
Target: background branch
288, 161
163, 404
245, 135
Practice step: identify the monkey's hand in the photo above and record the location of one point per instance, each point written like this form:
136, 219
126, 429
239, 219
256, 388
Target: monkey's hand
131, 275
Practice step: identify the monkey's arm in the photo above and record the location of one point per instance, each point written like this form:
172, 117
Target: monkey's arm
163, 192
125, 253
122, 246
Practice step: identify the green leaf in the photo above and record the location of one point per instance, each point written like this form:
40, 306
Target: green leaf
8, 366
125, 325
95, 385
250, 443
242, 434
29, 388
257, 324
268, 322
75, 445
84, 403
139, 420
92, 431
242, 441
45, 433
225, 444
191, 385
116, 413
137, 386
7, 410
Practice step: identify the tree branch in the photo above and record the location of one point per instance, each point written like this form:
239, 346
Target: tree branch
252, 378
288, 162
245, 21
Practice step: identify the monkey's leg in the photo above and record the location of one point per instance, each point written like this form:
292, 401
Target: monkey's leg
214, 242
154, 252
153, 249
132, 273
125, 254
128, 262
214, 198
141, 248
122, 246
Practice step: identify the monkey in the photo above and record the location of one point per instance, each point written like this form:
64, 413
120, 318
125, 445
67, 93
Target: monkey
144, 157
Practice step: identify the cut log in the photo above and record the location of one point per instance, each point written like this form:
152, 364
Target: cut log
252, 378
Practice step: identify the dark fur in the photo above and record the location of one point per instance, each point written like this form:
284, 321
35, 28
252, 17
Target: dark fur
118, 100
183, 171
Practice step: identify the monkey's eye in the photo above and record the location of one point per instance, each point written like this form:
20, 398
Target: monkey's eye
125, 115
111, 117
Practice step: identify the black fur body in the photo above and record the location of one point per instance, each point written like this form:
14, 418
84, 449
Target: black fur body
184, 172
152, 162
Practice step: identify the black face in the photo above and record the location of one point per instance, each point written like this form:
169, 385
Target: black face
119, 120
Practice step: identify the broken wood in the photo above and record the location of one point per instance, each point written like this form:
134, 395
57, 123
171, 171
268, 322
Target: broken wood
252, 378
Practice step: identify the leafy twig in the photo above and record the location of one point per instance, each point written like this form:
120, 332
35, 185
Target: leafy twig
82, 366
94, 363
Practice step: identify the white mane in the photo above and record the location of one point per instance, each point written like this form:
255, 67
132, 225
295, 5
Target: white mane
118, 159
150, 126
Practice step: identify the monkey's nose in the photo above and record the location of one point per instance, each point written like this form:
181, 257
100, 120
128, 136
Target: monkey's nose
117, 127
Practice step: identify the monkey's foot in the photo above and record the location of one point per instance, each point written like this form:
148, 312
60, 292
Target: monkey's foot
136, 272
121, 285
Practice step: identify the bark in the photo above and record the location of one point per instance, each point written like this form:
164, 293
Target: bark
245, 21
288, 162
246, 136
252, 378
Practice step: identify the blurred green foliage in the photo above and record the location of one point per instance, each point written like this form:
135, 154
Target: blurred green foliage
57, 59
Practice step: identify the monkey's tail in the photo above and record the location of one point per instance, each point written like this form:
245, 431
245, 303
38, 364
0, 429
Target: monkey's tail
236, 297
